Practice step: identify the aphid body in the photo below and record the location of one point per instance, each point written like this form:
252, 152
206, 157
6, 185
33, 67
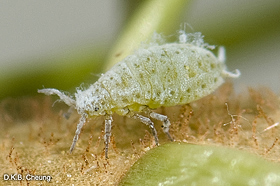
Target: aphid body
154, 76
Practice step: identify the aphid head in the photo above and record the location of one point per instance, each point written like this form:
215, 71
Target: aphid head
89, 102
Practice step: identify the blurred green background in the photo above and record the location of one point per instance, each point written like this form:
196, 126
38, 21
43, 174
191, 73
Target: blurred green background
62, 44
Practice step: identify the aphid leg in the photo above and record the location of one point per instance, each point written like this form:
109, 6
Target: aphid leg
50, 91
107, 135
165, 120
79, 127
69, 112
148, 122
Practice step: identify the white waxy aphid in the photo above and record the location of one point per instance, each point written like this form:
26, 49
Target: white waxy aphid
155, 75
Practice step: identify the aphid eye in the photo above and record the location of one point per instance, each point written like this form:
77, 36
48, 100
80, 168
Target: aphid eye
96, 108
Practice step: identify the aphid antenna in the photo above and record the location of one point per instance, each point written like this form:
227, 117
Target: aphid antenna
66, 99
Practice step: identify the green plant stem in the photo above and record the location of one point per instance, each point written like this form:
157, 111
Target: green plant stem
155, 15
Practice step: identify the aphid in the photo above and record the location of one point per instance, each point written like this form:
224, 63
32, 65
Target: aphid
155, 75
